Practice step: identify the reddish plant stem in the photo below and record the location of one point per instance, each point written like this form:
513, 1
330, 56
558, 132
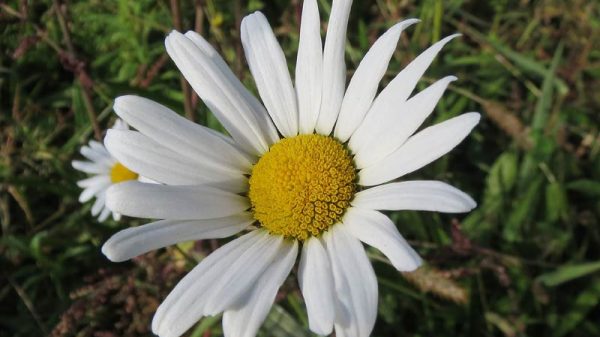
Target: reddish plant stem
72, 63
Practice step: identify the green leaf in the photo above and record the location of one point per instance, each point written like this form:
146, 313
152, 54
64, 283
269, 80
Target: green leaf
525, 207
586, 186
556, 202
585, 301
543, 144
542, 108
529, 65
502, 175
568, 273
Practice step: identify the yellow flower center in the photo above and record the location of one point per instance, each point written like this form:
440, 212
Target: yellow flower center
302, 186
120, 173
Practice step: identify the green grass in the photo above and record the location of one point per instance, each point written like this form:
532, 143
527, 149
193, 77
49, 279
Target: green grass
524, 263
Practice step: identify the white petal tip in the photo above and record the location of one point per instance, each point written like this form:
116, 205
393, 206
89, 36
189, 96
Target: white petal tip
168, 42
166, 333
173, 33
474, 117
118, 101
109, 132
122, 99
154, 327
173, 36
408, 22
161, 329
447, 39
123, 104
397, 29
409, 269
321, 330
110, 253
253, 15
191, 34
418, 262
471, 204
415, 263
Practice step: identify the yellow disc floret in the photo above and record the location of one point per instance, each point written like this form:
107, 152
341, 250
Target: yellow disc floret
302, 186
120, 173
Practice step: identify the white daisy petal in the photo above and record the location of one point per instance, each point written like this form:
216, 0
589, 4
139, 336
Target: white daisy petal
385, 130
96, 156
94, 180
199, 179
420, 195
120, 125
245, 319
241, 275
190, 289
217, 283
100, 152
155, 201
398, 90
259, 112
355, 284
269, 69
99, 166
104, 215
377, 230
179, 134
334, 66
135, 241
309, 67
89, 192
222, 97
316, 282
365, 81
420, 150
88, 167
98, 204
98, 147
143, 155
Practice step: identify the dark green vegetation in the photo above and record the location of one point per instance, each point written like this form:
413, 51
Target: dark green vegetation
526, 262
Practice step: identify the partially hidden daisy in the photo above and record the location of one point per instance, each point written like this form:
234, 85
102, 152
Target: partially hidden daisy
306, 173
104, 171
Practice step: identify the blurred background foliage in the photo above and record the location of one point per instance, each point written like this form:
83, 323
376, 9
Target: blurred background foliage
526, 262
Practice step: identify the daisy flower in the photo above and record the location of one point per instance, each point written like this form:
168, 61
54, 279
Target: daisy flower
105, 171
306, 172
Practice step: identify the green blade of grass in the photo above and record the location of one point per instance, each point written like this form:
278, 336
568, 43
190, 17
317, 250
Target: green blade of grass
568, 273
